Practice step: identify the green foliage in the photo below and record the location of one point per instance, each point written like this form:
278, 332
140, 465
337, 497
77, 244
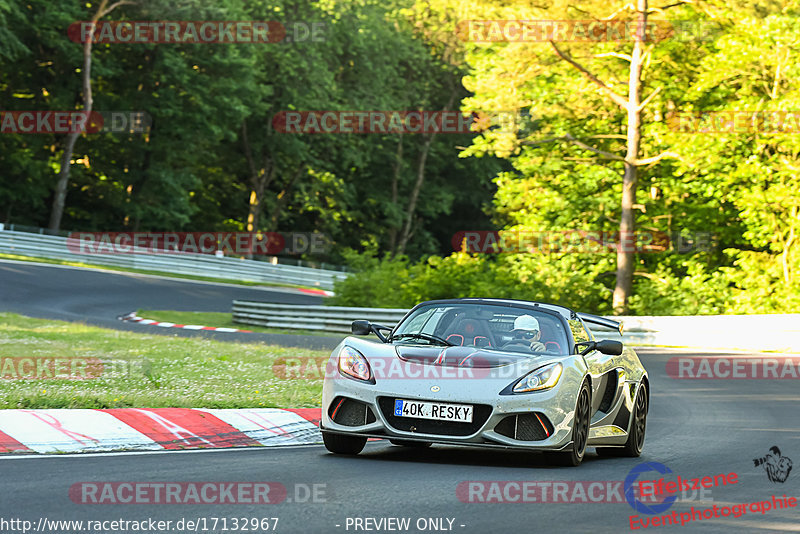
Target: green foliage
190, 171
665, 292
376, 282
394, 282
741, 187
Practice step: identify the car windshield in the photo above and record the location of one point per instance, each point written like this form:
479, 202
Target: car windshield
485, 326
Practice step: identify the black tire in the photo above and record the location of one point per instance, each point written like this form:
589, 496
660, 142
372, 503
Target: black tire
414, 444
635, 443
580, 430
342, 444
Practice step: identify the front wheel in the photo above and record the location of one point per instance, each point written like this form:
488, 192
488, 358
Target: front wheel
635, 443
580, 430
342, 444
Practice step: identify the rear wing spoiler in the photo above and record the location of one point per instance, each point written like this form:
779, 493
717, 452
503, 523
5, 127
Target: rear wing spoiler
601, 321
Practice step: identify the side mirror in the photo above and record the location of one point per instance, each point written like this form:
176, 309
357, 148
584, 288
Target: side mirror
361, 328
605, 346
609, 346
365, 328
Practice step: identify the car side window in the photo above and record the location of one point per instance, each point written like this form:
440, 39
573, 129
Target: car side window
579, 332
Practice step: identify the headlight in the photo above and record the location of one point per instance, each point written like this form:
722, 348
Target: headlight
542, 378
353, 364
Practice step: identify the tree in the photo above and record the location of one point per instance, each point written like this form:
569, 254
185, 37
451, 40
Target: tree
604, 145
60, 195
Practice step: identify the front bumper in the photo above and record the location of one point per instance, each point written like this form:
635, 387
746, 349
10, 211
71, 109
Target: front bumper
498, 420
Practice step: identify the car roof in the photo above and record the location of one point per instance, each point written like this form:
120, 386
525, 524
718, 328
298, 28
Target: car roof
566, 313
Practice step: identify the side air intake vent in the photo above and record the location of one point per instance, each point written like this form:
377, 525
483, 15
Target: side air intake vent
525, 427
349, 412
610, 392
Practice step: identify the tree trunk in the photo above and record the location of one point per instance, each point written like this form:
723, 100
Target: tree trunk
283, 198
60, 194
412, 201
626, 256
398, 165
260, 180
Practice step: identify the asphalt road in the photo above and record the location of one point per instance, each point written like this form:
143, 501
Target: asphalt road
696, 427
98, 297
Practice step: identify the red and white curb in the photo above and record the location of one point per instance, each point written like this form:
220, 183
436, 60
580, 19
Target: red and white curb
70, 431
133, 318
320, 292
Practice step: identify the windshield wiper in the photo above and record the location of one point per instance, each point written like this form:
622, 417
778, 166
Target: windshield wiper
426, 337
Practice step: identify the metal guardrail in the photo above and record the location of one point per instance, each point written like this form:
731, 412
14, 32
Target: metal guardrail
728, 332
55, 247
324, 318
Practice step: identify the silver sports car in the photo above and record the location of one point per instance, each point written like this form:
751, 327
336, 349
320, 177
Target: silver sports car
487, 373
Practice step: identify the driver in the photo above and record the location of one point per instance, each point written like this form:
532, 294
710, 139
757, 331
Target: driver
526, 333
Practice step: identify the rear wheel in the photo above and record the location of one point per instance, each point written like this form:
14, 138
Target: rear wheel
580, 430
635, 443
342, 444
407, 443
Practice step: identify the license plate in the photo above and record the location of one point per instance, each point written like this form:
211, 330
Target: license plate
433, 410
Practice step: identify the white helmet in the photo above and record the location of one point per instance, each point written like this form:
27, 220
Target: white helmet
526, 322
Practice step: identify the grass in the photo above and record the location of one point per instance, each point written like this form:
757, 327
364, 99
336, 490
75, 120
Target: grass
145, 371
219, 320
145, 271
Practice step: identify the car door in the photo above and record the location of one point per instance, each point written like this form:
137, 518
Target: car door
602, 369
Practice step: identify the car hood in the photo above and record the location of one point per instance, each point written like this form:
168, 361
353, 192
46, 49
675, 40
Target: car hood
460, 356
